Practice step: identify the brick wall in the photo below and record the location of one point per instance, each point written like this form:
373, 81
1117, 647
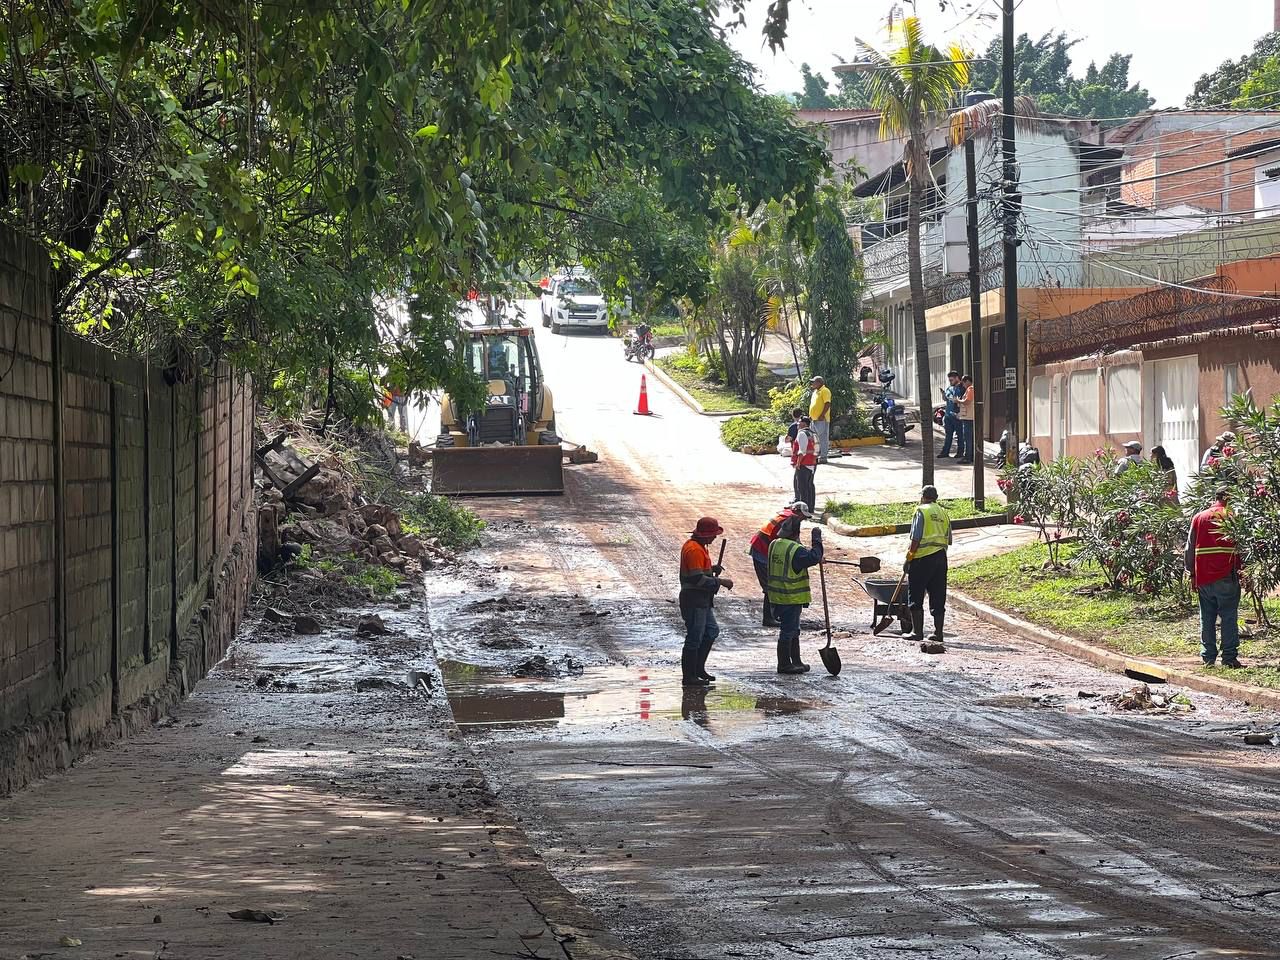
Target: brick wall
126, 554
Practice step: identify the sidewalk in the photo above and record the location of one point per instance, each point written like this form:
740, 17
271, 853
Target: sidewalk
358, 816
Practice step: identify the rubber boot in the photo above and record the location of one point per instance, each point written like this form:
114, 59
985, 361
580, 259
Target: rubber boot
769, 619
795, 656
917, 624
784, 658
689, 670
937, 627
702, 663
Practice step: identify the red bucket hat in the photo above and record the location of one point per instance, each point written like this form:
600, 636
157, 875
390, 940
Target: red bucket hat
708, 527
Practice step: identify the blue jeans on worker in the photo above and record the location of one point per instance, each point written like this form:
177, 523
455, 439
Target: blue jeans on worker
700, 629
1220, 600
789, 617
951, 425
966, 440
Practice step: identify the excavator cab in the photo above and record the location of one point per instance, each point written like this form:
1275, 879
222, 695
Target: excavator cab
509, 444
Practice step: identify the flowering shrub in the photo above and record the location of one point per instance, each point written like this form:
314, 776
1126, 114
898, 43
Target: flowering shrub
1250, 468
1048, 496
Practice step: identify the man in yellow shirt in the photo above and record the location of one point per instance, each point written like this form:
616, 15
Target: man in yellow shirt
820, 414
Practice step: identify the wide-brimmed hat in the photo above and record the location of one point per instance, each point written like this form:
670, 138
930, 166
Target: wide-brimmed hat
708, 527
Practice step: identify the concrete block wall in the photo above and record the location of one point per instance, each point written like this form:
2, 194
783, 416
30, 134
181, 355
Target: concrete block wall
124, 530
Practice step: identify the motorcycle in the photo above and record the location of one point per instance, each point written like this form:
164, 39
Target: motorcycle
638, 344
890, 421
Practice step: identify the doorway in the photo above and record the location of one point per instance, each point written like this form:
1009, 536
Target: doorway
1172, 412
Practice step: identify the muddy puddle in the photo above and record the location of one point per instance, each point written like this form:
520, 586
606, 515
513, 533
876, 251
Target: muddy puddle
488, 698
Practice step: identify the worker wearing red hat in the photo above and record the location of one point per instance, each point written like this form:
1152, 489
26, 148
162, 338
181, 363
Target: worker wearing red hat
700, 581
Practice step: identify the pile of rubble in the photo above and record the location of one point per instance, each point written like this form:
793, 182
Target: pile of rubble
309, 496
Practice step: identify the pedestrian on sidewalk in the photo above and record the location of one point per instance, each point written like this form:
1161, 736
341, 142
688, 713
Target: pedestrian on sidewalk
789, 591
1215, 452
1214, 565
927, 563
804, 462
699, 584
1132, 457
951, 414
760, 544
820, 415
966, 420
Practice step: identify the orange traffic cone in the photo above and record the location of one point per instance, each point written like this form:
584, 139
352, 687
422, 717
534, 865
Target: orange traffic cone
642, 408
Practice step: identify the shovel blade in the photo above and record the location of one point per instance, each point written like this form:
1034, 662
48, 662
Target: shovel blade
869, 564
830, 660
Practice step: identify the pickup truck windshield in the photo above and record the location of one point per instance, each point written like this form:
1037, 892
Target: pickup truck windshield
582, 288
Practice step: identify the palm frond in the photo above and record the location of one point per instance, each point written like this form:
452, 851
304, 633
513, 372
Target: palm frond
982, 117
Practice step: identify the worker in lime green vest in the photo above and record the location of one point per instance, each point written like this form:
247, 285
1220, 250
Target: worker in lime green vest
927, 563
788, 589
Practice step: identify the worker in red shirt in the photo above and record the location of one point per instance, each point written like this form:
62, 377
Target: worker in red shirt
700, 581
1214, 565
760, 552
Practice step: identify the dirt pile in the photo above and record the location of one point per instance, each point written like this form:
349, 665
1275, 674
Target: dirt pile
316, 491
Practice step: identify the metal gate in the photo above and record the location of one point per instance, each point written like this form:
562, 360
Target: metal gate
1173, 412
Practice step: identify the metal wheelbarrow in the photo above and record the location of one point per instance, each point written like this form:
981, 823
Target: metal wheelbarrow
883, 605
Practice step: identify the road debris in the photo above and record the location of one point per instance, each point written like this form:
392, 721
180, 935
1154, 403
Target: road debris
1140, 698
1255, 739
541, 668
256, 916
372, 625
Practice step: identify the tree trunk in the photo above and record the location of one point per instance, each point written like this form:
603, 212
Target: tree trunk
923, 389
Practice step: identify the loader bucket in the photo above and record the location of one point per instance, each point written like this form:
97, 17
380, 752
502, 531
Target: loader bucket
468, 471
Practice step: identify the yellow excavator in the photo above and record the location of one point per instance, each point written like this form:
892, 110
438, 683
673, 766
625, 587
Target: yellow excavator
509, 445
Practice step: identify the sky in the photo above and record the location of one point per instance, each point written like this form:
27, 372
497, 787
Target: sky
1173, 42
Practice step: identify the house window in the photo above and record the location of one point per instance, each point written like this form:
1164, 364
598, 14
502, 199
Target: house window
1041, 412
1230, 381
1082, 390
1124, 399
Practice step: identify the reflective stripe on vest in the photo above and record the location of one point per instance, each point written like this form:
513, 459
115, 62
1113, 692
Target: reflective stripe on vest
937, 529
786, 587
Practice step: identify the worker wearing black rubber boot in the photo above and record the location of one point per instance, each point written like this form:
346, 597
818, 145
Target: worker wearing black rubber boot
927, 564
789, 592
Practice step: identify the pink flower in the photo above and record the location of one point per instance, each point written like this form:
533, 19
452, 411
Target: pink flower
1097, 451
1260, 490
1228, 451
1122, 518
1171, 494
1018, 518
1213, 462
1150, 538
1057, 534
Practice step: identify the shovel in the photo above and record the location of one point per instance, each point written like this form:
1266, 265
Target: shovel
864, 564
829, 654
887, 619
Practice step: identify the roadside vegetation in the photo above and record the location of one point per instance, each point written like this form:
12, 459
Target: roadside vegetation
427, 516
703, 378
757, 431
381, 582
880, 514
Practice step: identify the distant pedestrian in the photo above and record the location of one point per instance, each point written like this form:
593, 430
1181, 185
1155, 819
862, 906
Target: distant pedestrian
1166, 464
1132, 457
804, 462
927, 563
794, 426
700, 581
1215, 452
966, 420
789, 591
760, 551
951, 414
1214, 565
820, 415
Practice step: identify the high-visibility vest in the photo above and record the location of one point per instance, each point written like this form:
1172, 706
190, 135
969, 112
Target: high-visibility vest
810, 456
769, 532
786, 587
1215, 553
937, 529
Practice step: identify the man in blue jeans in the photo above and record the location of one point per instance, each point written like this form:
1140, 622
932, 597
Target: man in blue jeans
700, 581
951, 414
1214, 565
789, 592
966, 419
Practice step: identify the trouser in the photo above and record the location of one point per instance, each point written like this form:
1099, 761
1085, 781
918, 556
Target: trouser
788, 634
762, 576
927, 577
804, 487
1220, 600
700, 632
966, 440
822, 431
952, 427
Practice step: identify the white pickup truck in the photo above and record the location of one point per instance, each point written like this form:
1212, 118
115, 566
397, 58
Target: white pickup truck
573, 301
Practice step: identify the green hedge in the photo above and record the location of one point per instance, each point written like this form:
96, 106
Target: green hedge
750, 430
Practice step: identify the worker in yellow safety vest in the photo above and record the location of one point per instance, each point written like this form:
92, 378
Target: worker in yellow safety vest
788, 589
927, 563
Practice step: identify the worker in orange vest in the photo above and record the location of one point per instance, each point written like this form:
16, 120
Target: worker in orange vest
760, 551
700, 581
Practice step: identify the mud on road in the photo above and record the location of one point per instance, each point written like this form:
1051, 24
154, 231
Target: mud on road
980, 804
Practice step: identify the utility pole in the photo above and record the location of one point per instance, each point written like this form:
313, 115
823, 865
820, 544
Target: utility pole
975, 321
1012, 204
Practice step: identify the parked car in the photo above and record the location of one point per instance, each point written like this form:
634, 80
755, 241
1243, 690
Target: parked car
574, 300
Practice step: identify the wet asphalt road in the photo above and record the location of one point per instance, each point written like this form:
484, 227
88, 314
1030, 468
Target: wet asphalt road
970, 805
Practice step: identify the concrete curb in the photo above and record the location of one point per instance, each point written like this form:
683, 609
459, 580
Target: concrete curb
684, 395
889, 529
1110, 660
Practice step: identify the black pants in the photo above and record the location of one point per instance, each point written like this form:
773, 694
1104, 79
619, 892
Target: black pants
802, 484
927, 576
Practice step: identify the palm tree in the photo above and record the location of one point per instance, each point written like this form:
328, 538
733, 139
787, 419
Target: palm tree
914, 84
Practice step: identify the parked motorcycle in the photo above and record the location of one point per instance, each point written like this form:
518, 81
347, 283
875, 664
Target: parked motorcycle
890, 421
638, 344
